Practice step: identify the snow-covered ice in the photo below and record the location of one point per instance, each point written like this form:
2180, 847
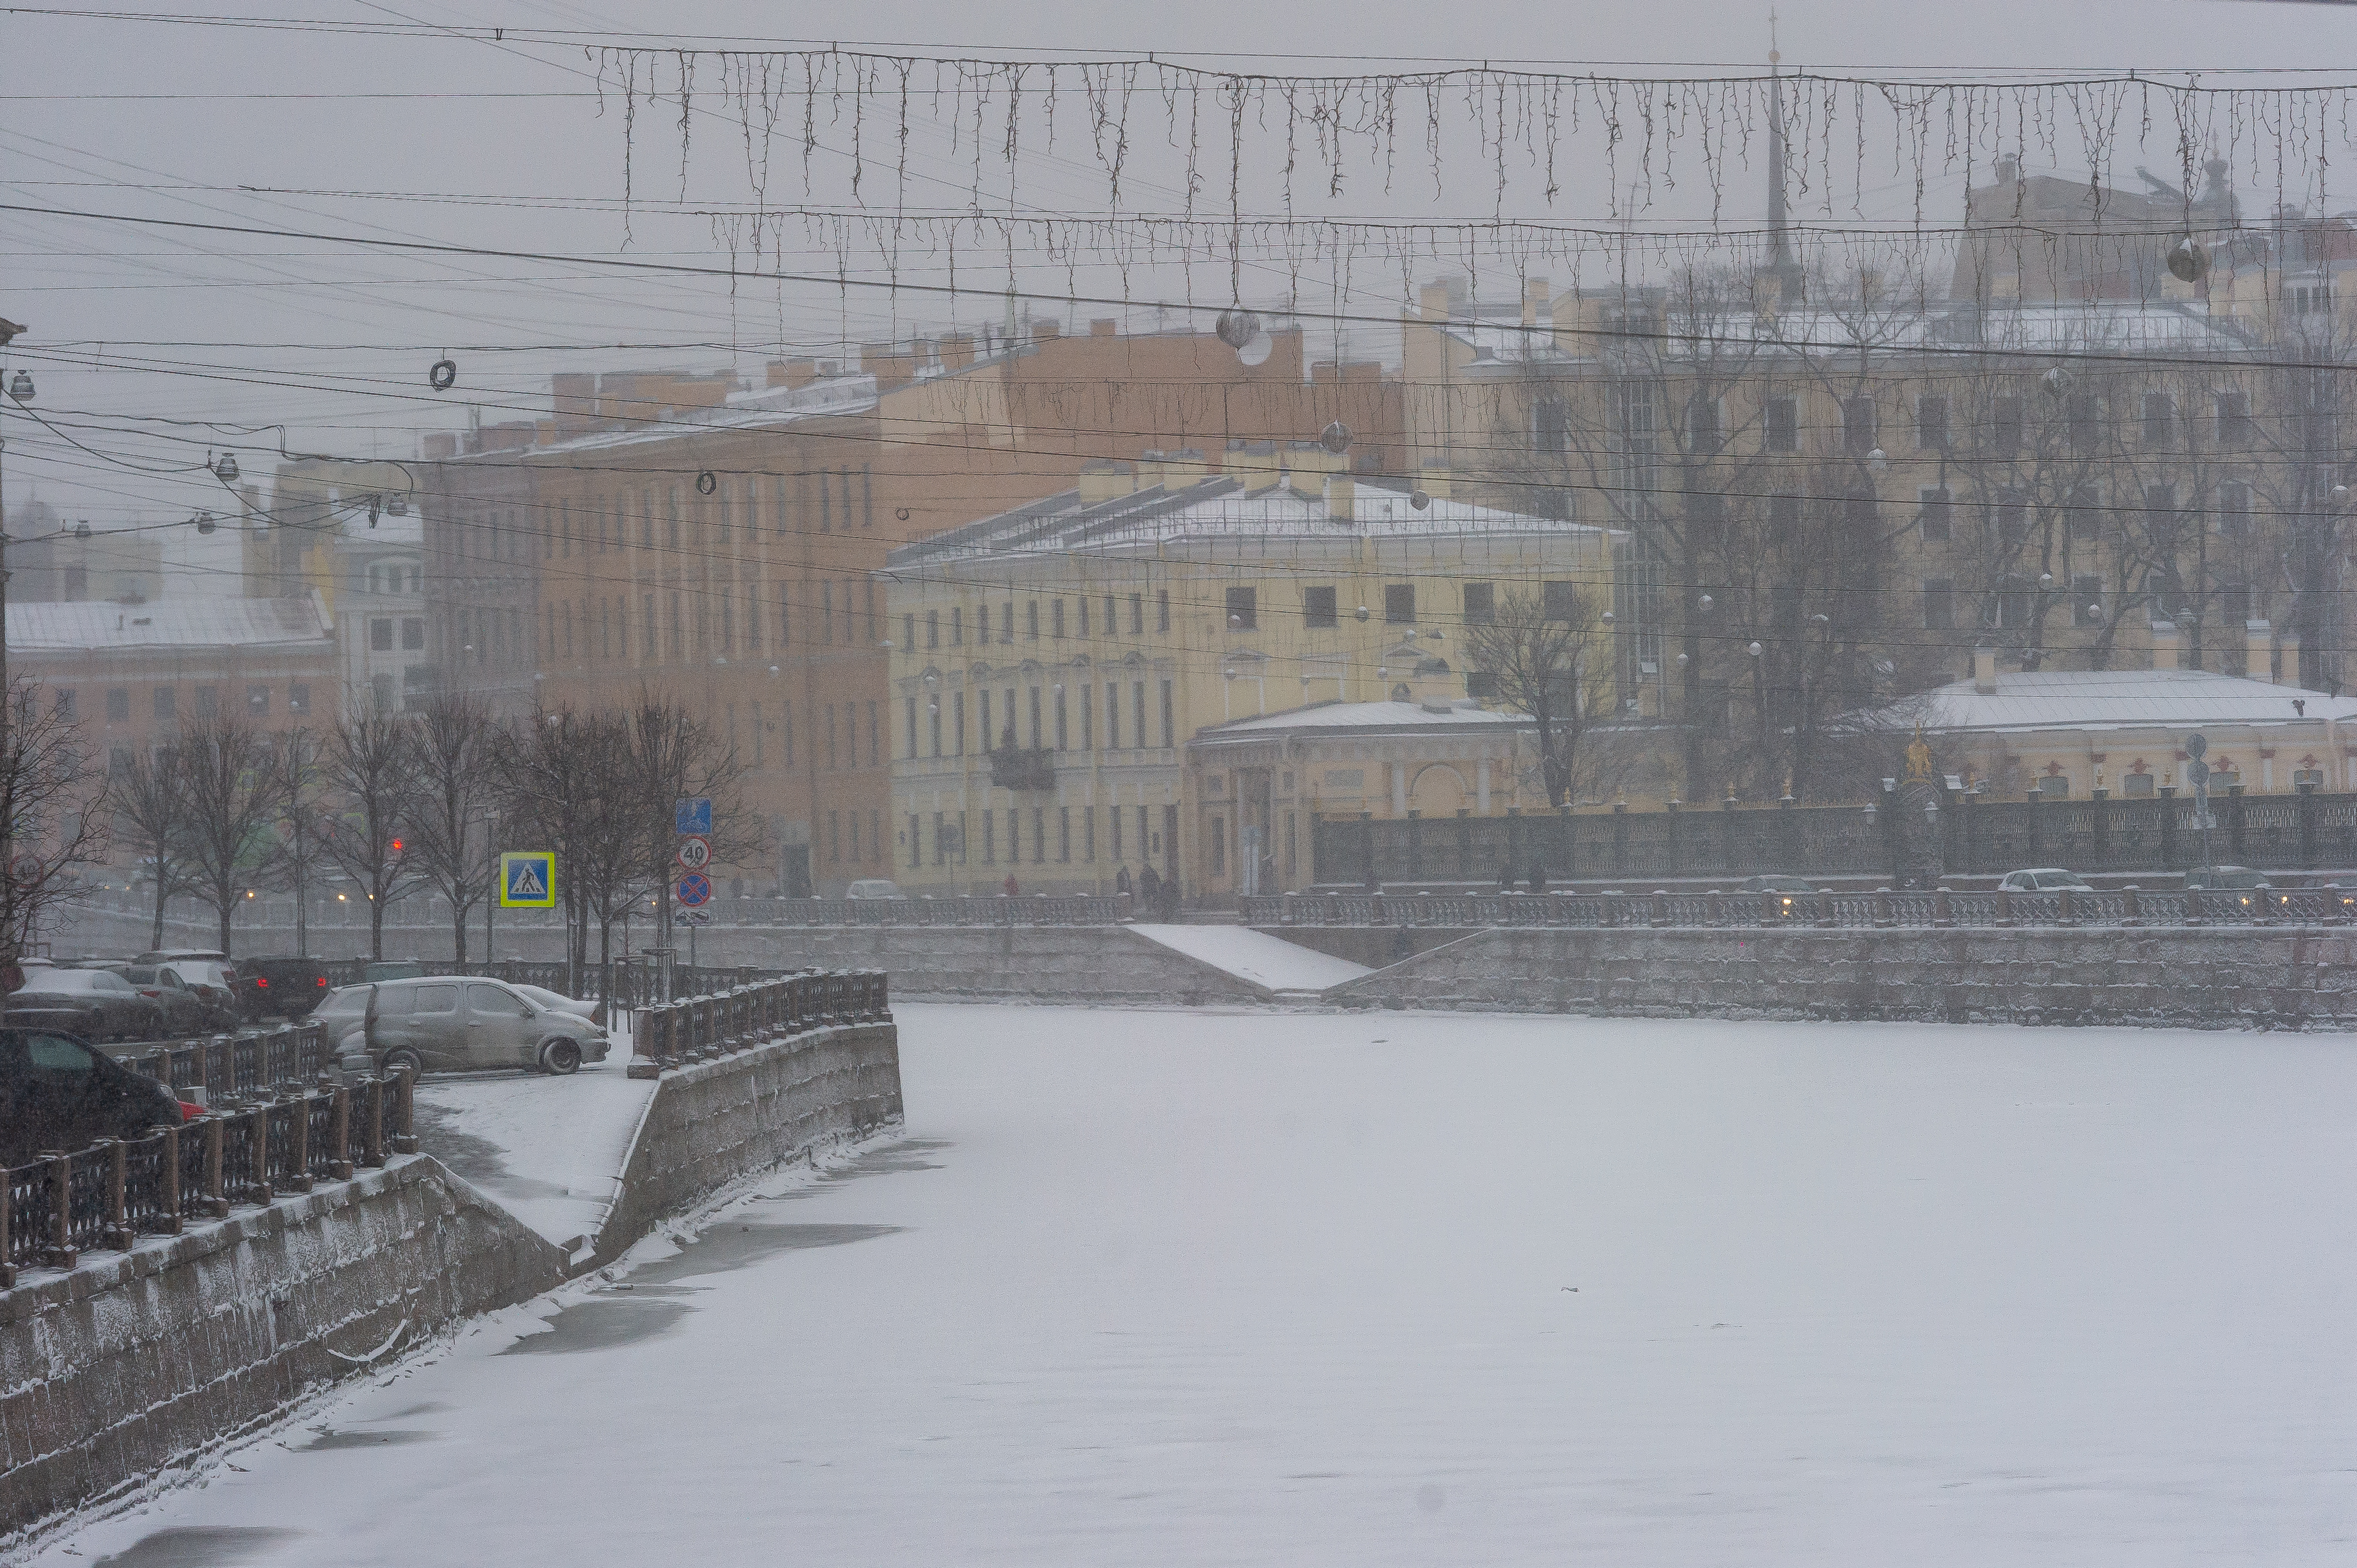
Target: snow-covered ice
1256, 956
549, 1149
1210, 1288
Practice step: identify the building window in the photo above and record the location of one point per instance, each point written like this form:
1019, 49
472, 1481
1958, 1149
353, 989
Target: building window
957, 626
1064, 834
2234, 509
257, 700
1056, 620
299, 698
2086, 601
2159, 422
1559, 599
912, 703
1317, 607
1137, 615
1858, 424
1931, 423
917, 841
118, 705
825, 609
2005, 425
1781, 424
2082, 515
1243, 609
380, 637
989, 838
1169, 719
65, 703
208, 702
2083, 414
381, 693
1039, 836
1218, 846
2234, 604
1551, 425
1162, 610
2012, 525
1784, 515
854, 836
1062, 735
2236, 429
1480, 604
1937, 514
1939, 604
1088, 833
957, 722
167, 702
1480, 684
1399, 604
1036, 726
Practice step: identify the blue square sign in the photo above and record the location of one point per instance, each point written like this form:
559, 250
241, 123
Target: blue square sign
693, 816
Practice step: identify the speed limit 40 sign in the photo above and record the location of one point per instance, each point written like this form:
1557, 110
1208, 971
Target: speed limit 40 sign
694, 851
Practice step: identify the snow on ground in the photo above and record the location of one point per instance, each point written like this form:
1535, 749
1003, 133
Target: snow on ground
550, 1149
1256, 956
1206, 1288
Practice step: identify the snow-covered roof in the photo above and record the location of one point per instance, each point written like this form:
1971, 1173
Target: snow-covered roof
2097, 326
2124, 699
102, 625
756, 409
1459, 714
1212, 511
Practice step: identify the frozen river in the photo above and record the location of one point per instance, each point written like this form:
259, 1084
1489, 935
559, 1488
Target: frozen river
1189, 1288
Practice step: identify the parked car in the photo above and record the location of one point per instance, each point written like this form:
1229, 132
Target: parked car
211, 978
1789, 891
452, 1023
874, 888
184, 1012
393, 969
110, 1005
2044, 879
56, 1093
281, 987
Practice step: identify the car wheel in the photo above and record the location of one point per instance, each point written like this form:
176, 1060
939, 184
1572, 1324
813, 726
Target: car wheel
401, 1058
560, 1057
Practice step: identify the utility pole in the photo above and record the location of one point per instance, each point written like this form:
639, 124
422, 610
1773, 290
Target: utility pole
21, 388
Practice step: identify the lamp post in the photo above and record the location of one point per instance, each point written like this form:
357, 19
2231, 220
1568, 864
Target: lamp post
21, 388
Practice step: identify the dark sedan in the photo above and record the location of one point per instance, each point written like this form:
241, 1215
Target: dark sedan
113, 1005
57, 1093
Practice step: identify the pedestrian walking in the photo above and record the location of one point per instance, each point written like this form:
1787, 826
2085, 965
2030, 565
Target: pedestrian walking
1008, 886
1121, 880
1537, 877
1505, 877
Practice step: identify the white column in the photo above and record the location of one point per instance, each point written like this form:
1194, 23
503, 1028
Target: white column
1399, 788
1481, 787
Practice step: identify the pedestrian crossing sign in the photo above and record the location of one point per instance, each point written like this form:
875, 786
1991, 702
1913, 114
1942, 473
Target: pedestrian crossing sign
527, 880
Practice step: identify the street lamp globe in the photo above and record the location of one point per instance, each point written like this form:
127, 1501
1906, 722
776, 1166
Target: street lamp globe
226, 469
21, 388
1756, 650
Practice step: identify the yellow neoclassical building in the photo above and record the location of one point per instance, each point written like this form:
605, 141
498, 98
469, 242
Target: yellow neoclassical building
1050, 664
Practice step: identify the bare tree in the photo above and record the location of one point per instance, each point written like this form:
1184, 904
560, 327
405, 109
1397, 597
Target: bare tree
229, 770
300, 857
52, 803
570, 788
457, 795
151, 816
369, 762
676, 755
1548, 658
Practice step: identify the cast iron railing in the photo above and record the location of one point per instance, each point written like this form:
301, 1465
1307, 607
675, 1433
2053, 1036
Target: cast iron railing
1938, 908
106, 1197
698, 1028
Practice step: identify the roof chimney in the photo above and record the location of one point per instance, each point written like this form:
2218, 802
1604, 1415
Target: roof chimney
1104, 482
1984, 670
2289, 658
1341, 498
2164, 645
2259, 650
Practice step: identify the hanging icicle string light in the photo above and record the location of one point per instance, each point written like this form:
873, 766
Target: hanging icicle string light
1646, 137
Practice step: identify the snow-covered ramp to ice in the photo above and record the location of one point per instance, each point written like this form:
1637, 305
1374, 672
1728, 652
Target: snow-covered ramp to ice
550, 1150
1257, 957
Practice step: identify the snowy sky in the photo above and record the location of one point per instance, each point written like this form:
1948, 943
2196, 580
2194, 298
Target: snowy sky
502, 143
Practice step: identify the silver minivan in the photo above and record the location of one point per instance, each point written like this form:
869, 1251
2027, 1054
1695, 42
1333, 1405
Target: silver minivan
456, 1023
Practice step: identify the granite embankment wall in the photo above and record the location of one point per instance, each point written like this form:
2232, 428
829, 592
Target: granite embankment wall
717, 1122
135, 1363
2231, 977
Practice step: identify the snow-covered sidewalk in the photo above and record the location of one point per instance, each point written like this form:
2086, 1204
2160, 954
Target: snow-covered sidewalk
549, 1149
1255, 956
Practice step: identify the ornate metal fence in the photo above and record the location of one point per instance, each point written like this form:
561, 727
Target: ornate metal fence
1938, 907
698, 1028
103, 1198
1973, 836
